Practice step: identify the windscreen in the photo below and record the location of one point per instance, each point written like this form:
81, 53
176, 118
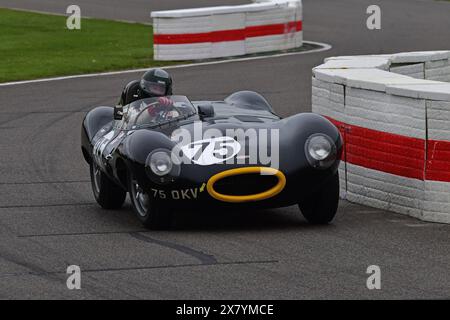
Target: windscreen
160, 110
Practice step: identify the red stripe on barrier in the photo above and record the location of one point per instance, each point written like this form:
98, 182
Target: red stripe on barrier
395, 154
229, 35
214, 36
274, 29
438, 161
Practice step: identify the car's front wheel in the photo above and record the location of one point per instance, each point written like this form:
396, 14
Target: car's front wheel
107, 194
152, 215
321, 207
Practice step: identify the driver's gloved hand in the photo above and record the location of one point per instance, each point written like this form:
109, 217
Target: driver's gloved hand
165, 102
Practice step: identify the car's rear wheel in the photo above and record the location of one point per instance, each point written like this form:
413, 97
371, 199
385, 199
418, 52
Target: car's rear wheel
321, 207
107, 194
151, 214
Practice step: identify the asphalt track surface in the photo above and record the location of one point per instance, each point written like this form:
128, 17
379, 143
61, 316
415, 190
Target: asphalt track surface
49, 219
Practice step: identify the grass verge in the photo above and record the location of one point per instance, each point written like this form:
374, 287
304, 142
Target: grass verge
34, 45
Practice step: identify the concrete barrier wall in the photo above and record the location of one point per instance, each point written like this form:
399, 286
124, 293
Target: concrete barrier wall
214, 32
394, 115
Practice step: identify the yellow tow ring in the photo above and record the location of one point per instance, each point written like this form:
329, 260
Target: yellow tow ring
247, 198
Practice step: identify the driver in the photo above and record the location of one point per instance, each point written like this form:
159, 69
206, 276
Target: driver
154, 83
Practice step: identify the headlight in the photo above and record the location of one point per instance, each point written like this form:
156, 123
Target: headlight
161, 163
161, 168
319, 148
320, 151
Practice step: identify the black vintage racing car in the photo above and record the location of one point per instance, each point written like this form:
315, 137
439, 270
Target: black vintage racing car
170, 153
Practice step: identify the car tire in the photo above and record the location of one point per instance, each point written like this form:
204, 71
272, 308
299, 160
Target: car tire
152, 215
107, 194
321, 207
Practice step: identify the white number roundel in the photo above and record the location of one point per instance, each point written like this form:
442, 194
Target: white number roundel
212, 151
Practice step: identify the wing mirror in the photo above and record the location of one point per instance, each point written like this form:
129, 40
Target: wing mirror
118, 113
205, 111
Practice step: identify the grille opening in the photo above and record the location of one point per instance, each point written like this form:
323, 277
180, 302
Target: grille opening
245, 184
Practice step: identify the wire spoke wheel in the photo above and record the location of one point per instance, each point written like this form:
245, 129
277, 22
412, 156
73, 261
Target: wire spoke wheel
97, 177
151, 213
107, 193
140, 199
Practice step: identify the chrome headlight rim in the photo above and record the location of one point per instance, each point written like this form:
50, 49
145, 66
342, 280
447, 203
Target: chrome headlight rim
154, 166
160, 163
320, 158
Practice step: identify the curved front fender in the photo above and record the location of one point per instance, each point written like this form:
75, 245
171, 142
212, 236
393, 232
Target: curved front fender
93, 121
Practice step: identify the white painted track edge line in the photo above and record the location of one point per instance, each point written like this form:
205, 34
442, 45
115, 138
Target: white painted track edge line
63, 14
324, 47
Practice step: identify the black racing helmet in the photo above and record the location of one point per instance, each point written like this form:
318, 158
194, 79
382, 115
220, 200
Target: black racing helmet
156, 83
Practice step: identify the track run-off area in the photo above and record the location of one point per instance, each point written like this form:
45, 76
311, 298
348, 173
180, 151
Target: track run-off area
49, 218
